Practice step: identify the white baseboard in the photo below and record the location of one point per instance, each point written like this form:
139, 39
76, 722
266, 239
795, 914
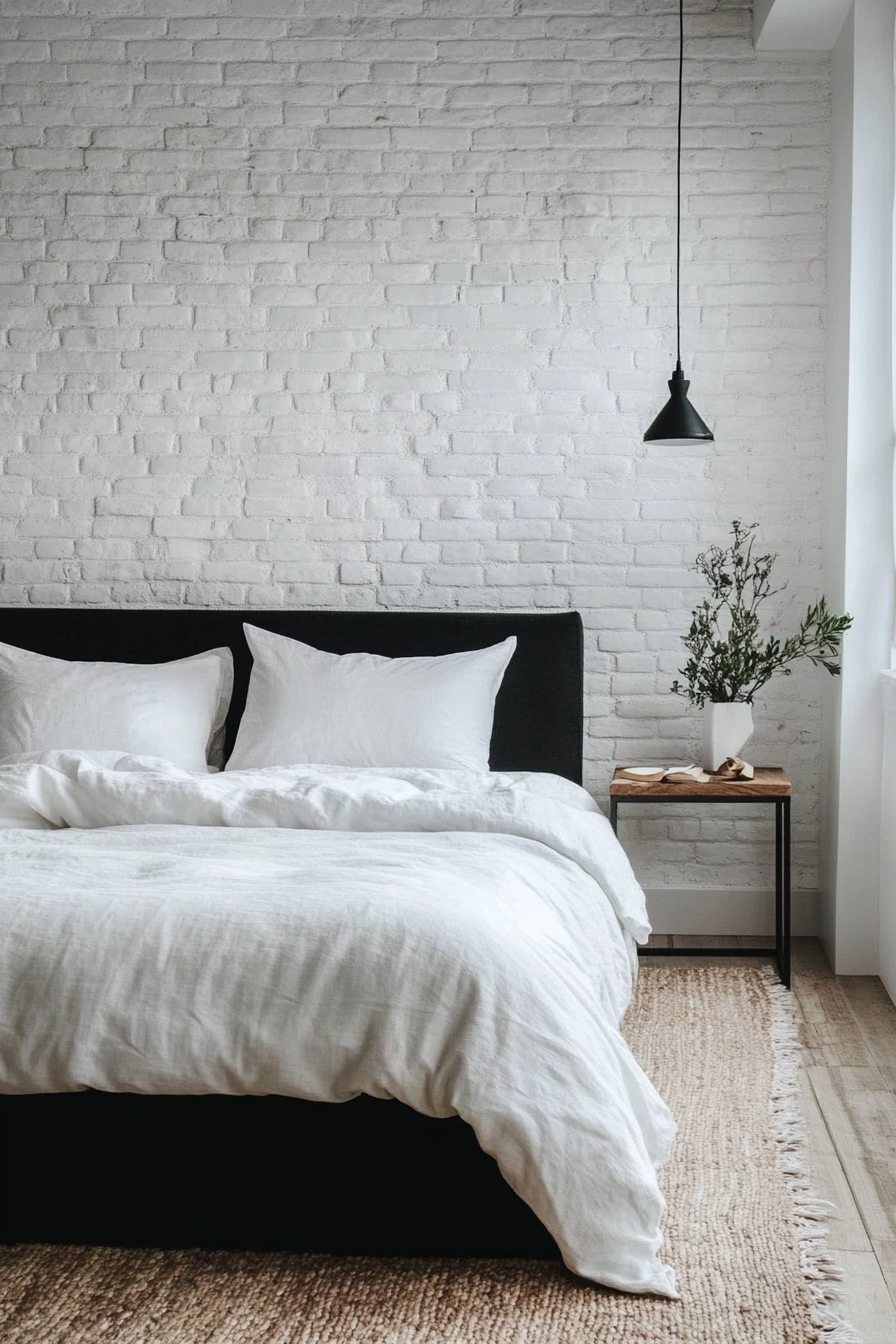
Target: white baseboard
727, 910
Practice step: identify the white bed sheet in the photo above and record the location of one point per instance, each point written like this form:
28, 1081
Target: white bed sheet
459, 942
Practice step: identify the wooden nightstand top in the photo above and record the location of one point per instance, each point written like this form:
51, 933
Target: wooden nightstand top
769, 781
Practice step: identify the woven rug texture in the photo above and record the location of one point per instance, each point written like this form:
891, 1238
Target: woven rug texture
713, 1039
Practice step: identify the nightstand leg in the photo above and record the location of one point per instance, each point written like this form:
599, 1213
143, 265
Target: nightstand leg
779, 887
613, 806
784, 958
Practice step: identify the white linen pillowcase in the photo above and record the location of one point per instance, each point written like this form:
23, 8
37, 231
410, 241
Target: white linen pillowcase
175, 710
308, 707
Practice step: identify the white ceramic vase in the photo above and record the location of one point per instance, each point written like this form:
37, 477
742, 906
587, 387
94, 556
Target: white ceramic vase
726, 728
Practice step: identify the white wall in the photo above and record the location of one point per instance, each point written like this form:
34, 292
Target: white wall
859, 533
887, 967
840, 214
798, 25
368, 302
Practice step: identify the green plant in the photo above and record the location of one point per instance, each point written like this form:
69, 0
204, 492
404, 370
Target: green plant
729, 660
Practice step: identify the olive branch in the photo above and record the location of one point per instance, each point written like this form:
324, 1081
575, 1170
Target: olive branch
733, 666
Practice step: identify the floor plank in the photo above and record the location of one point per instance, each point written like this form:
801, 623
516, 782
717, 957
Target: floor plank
808, 953
875, 1015
703, 940
886, 1256
846, 1231
709, 960
867, 1302
830, 1032
861, 1119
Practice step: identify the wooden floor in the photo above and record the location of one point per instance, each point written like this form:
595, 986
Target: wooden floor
848, 1030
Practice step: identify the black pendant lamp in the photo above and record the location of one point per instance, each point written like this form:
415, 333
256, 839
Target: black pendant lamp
678, 425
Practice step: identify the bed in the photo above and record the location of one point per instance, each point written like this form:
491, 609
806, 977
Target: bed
370, 1175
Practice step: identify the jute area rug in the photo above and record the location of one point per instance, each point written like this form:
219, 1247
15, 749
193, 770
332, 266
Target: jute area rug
743, 1230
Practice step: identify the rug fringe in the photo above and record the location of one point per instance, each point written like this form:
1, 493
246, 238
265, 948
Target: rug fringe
811, 1212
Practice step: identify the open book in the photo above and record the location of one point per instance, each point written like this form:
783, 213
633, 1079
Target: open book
672, 774
732, 768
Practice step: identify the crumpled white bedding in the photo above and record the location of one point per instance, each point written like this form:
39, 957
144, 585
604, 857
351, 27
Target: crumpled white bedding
450, 939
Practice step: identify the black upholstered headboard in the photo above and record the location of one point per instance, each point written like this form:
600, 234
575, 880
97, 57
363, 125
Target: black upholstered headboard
538, 715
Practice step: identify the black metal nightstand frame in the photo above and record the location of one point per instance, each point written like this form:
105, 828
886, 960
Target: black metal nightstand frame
781, 951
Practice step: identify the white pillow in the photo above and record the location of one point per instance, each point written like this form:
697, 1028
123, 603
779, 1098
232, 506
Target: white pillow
175, 710
309, 707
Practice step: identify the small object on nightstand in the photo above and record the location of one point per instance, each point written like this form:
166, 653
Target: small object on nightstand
735, 767
653, 774
768, 784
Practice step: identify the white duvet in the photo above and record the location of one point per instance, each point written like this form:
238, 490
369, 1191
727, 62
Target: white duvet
460, 942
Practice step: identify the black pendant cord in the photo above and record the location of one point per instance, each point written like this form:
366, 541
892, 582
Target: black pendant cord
678, 188
678, 424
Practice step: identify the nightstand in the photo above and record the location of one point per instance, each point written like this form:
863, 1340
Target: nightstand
770, 786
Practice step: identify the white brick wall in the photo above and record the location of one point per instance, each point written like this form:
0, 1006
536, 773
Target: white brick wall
368, 302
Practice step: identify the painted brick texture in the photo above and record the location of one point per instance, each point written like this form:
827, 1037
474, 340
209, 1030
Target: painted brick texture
348, 303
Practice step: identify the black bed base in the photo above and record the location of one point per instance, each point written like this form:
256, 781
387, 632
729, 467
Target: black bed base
364, 1177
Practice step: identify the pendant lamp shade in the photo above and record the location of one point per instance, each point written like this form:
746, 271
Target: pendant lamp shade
678, 425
